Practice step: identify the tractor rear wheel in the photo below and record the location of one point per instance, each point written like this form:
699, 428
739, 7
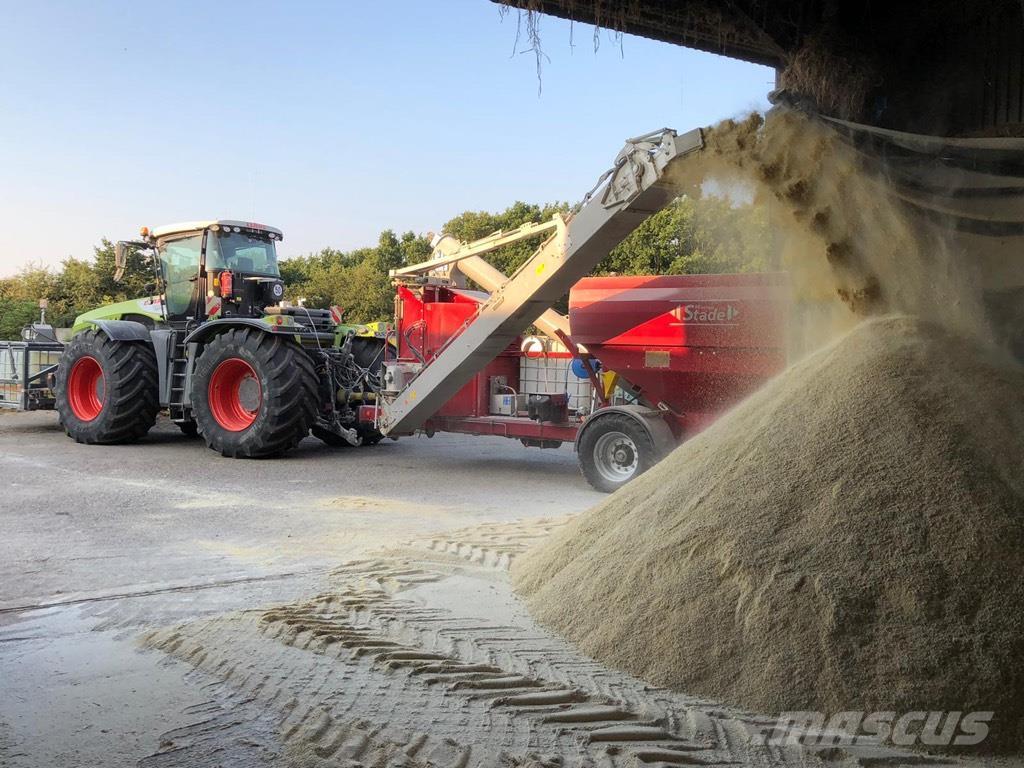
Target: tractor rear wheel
254, 394
106, 390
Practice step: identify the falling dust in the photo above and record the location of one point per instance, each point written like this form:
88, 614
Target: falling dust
852, 247
851, 537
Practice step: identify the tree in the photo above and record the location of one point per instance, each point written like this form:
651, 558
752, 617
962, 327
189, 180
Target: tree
695, 236
473, 225
15, 314
32, 283
357, 281
138, 280
415, 248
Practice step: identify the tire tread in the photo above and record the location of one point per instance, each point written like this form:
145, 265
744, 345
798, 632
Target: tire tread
130, 381
291, 396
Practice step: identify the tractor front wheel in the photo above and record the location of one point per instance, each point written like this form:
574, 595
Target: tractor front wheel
253, 394
106, 390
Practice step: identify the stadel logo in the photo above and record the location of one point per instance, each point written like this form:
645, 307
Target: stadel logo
709, 313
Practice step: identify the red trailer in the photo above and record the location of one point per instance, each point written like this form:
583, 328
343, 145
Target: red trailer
662, 356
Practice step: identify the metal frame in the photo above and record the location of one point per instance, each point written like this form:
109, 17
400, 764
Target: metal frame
26, 401
484, 245
504, 426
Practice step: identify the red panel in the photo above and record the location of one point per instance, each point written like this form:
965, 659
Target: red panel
444, 320
680, 310
697, 343
428, 319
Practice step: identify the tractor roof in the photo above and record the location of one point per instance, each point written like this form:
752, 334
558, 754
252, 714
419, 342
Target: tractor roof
192, 226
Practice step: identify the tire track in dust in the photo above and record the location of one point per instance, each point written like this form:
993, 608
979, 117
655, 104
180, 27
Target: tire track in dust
389, 668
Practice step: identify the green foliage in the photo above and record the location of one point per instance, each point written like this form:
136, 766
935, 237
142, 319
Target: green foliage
472, 225
31, 284
689, 236
695, 237
357, 281
139, 278
15, 314
78, 287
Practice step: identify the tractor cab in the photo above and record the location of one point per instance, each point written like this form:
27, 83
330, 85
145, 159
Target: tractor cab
211, 269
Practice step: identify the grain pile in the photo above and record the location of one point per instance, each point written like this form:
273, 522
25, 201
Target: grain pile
850, 537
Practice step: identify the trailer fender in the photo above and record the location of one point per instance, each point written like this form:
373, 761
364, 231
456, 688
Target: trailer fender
122, 330
650, 419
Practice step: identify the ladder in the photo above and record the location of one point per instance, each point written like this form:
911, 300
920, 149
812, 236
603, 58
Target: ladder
178, 375
638, 185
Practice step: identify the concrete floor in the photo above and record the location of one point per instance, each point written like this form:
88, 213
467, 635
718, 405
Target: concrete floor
101, 543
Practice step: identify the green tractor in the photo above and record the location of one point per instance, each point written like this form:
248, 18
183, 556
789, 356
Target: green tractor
219, 350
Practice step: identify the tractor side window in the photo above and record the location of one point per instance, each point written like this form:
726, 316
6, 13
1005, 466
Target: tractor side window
181, 266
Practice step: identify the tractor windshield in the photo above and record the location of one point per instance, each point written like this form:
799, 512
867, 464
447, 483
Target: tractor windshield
241, 252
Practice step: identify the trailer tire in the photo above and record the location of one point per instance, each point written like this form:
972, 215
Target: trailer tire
614, 449
106, 390
188, 428
254, 394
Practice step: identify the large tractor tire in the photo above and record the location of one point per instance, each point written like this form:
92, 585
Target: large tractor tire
107, 390
614, 449
254, 394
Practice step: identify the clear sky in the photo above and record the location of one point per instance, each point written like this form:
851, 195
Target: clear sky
330, 120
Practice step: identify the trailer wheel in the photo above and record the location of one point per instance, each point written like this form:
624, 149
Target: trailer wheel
253, 394
106, 391
613, 450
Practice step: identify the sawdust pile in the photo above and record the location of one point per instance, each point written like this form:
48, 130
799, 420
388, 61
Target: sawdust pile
849, 538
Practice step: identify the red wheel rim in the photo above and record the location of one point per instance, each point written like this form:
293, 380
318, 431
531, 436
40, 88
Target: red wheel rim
86, 389
234, 395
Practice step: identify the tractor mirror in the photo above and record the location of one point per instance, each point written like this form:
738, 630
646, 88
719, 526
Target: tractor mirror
120, 260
